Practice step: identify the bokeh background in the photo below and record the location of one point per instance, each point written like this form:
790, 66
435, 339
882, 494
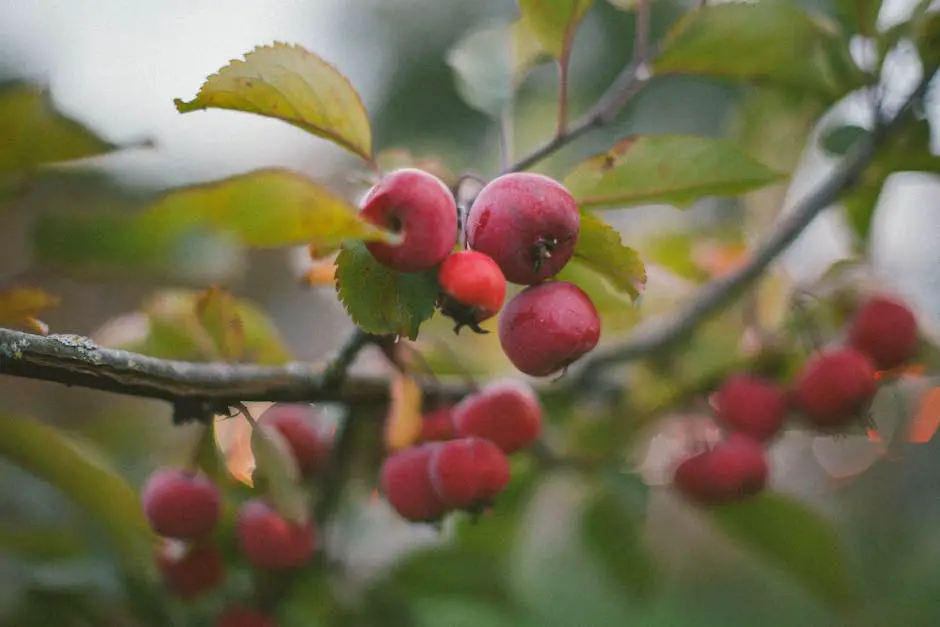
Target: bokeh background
117, 66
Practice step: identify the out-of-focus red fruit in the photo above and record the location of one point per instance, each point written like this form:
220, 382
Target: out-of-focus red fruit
752, 406
468, 472
834, 387
181, 504
406, 483
506, 412
237, 616
885, 330
437, 425
189, 571
734, 470
297, 424
269, 541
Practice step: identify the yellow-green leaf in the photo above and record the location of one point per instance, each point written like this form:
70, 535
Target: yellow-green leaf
33, 133
554, 22
218, 313
764, 42
600, 248
380, 300
291, 84
55, 458
277, 470
673, 169
19, 304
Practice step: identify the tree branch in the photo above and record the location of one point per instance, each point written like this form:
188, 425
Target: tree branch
721, 292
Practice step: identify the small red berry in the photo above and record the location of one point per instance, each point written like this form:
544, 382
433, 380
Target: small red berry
885, 330
834, 386
734, 470
190, 571
437, 426
297, 424
507, 413
181, 504
420, 208
237, 616
269, 541
528, 223
468, 472
752, 406
547, 327
473, 288
406, 483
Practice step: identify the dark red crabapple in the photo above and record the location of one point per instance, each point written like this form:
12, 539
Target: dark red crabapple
297, 424
437, 425
750, 405
181, 504
834, 386
237, 616
528, 223
468, 472
420, 208
547, 327
473, 288
885, 330
734, 470
505, 412
405, 480
271, 542
189, 571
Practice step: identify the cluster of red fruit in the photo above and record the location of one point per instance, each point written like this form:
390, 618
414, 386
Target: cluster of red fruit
521, 228
834, 389
462, 462
185, 507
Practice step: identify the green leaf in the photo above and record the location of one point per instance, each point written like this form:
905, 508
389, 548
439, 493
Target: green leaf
613, 526
294, 85
55, 458
839, 140
600, 248
673, 251
380, 300
450, 571
760, 42
792, 537
554, 22
623, 5
859, 16
33, 133
612, 304
218, 315
674, 169
209, 458
277, 469
40, 543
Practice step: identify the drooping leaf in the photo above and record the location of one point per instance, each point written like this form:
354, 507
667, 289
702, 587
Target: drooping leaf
613, 526
276, 466
600, 248
209, 457
674, 169
50, 455
380, 300
554, 22
218, 313
793, 538
839, 140
760, 42
19, 304
403, 422
291, 84
33, 133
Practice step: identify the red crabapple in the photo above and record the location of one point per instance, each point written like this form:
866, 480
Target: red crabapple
406, 483
547, 327
834, 386
506, 412
421, 209
473, 288
189, 571
437, 425
238, 616
734, 470
270, 541
885, 330
297, 424
468, 472
181, 504
528, 223
752, 406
